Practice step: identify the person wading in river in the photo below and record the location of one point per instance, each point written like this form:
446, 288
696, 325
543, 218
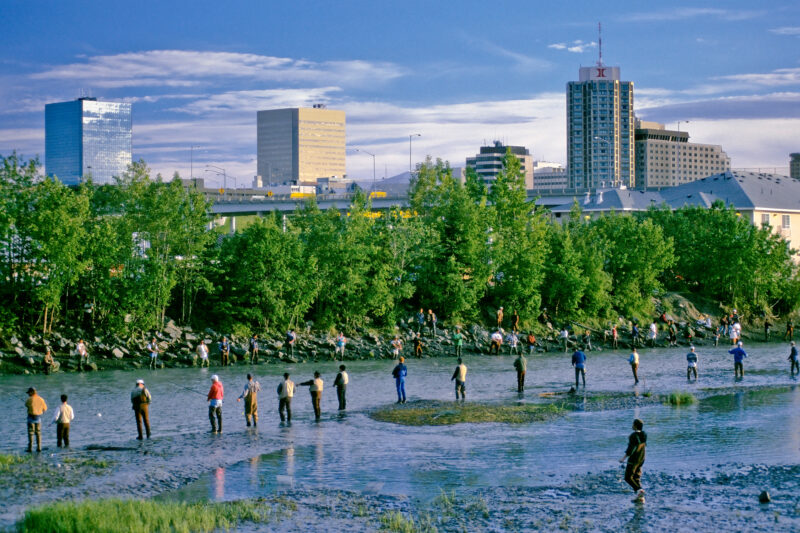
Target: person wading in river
341, 381
579, 362
36, 407
691, 361
738, 360
140, 402
793, 360
215, 395
460, 375
315, 387
64, 415
635, 454
521, 366
285, 395
634, 361
399, 374
250, 397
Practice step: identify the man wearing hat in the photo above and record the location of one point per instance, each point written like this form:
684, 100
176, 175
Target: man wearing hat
140, 402
36, 408
215, 394
738, 360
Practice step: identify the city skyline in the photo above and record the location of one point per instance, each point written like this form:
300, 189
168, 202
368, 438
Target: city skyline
200, 72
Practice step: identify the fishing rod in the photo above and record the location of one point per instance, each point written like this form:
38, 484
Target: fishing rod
186, 388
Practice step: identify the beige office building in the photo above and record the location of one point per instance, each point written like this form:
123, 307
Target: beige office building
666, 158
300, 145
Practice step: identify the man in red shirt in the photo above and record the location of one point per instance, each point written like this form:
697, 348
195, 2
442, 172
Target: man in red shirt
215, 395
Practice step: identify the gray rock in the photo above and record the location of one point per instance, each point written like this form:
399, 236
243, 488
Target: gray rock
14, 341
19, 351
117, 353
190, 337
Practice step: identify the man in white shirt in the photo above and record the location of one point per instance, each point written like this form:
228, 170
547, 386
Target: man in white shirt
64, 415
315, 387
202, 352
397, 346
341, 381
497, 340
83, 354
285, 395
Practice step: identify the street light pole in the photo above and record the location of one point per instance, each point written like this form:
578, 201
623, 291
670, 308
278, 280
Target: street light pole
409, 149
224, 177
373, 163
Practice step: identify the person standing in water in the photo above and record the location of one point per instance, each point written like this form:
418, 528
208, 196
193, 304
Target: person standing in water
399, 374
738, 360
36, 407
285, 394
521, 366
460, 375
315, 387
793, 360
635, 454
140, 403
634, 361
341, 381
215, 395
691, 361
579, 362
250, 397
64, 415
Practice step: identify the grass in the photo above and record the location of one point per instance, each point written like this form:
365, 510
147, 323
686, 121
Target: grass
397, 522
679, 398
144, 516
9, 461
445, 414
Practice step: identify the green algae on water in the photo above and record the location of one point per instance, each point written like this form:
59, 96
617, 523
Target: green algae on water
444, 414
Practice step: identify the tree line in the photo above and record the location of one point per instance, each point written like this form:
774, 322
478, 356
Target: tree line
121, 258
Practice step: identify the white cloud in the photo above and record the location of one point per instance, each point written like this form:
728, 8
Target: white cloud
778, 77
181, 68
521, 60
256, 100
684, 13
577, 46
786, 30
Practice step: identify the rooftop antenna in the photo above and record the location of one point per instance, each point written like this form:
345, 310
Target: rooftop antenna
599, 45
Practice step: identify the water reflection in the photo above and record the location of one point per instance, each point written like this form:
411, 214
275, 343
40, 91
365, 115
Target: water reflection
218, 484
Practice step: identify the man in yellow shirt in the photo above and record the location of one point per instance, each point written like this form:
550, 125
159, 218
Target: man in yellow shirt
36, 408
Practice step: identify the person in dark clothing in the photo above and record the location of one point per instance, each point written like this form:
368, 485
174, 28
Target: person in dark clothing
521, 366
341, 381
793, 360
460, 377
738, 360
635, 335
140, 402
767, 329
579, 362
789, 331
515, 321
315, 387
635, 454
399, 374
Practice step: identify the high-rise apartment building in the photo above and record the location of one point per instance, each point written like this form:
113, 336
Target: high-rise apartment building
794, 166
85, 137
666, 158
300, 145
489, 162
600, 128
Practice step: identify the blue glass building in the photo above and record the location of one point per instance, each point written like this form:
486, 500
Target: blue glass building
86, 137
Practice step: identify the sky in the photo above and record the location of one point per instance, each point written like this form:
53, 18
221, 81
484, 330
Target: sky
461, 74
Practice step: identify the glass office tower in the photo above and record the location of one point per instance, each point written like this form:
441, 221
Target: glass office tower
85, 137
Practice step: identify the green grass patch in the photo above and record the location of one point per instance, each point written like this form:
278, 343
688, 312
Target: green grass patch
8, 461
679, 398
445, 414
143, 516
397, 522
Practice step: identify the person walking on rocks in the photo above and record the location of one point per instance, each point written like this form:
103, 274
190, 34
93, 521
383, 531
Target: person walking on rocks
432, 320
397, 346
36, 407
83, 354
634, 361
460, 376
250, 397
420, 320
315, 387
254, 349
521, 366
691, 361
341, 381
500, 318
140, 402
458, 341
291, 338
341, 342
793, 360
673, 333
215, 395
285, 395
579, 362
153, 349
64, 415
635, 454
652, 334
48, 363
738, 360
202, 353
225, 351
614, 337
399, 374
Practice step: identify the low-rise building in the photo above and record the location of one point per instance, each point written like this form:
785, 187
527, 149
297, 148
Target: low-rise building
489, 162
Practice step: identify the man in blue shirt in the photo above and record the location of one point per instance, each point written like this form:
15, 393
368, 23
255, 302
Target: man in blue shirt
738, 357
579, 362
399, 374
793, 360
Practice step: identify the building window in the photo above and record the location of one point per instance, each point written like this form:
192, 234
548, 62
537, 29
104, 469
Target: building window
785, 222
765, 219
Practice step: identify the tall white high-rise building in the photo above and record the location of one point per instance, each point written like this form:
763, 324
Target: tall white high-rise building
600, 129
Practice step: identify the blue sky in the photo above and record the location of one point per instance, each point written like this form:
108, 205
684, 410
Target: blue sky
459, 73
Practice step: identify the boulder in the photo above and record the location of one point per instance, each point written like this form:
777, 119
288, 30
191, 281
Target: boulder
190, 337
117, 353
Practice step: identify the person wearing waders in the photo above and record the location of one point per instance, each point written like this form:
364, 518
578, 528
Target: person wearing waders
691, 361
635, 454
140, 402
254, 349
521, 366
460, 375
738, 360
793, 360
224, 351
291, 337
285, 394
420, 320
215, 395
250, 397
579, 362
36, 407
399, 374
634, 361
341, 381
315, 387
